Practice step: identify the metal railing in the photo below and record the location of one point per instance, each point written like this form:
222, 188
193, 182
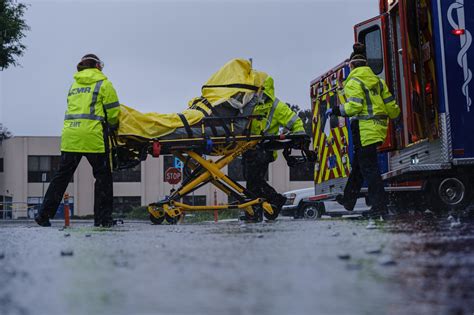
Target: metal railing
16, 210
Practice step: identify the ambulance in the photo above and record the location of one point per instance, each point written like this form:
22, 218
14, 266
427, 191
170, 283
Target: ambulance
423, 49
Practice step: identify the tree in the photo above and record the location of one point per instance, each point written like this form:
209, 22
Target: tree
4, 133
12, 31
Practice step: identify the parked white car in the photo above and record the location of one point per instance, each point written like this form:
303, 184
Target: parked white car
298, 204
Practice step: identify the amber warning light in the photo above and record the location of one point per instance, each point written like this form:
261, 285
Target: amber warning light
458, 32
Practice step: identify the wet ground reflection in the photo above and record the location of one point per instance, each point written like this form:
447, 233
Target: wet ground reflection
436, 263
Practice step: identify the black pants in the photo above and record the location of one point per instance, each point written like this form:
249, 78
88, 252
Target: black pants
103, 188
255, 167
364, 166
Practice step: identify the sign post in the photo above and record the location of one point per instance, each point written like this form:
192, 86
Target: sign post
173, 176
66, 210
215, 204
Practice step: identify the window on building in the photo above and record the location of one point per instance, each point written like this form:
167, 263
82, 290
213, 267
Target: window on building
1, 165
302, 172
126, 204
373, 45
131, 175
39, 165
236, 172
198, 200
6, 207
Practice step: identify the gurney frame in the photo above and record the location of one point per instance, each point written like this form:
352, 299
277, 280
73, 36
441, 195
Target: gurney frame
192, 152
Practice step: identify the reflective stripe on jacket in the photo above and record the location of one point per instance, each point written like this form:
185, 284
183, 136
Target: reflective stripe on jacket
369, 101
91, 101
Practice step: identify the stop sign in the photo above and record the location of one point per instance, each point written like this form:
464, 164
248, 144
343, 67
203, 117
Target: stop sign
173, 175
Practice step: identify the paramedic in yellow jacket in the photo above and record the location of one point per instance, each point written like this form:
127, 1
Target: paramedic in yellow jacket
369, 105
278, 115
92, 108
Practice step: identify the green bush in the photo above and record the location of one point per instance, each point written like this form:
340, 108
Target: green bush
137, 213
141, 213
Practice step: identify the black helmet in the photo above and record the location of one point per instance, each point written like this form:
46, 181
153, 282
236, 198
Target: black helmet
358, 56
90, 61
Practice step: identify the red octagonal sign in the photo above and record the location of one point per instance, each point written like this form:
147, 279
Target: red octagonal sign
172, 175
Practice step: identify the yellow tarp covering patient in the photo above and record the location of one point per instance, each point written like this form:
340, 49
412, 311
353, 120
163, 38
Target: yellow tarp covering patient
153, 125
234, 86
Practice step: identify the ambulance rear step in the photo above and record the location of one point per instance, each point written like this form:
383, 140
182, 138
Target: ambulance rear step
417, 171
363, 192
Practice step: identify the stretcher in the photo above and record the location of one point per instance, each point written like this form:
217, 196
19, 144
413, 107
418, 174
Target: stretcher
206, 156
214, 130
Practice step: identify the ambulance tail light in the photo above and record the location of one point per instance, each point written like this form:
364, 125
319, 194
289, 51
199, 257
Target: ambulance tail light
428, 88
458, 31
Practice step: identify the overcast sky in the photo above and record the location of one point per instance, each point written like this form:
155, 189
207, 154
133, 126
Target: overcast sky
159, 53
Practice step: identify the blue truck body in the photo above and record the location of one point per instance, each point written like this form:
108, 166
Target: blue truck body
424, 50
454, 70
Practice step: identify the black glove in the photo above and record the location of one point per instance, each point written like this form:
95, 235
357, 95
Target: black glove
336, 111
114, 127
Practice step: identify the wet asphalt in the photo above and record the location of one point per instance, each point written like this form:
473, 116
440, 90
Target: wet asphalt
417, 264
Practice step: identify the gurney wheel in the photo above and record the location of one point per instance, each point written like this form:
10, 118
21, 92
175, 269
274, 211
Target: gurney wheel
156, 221
273, 216
172, 220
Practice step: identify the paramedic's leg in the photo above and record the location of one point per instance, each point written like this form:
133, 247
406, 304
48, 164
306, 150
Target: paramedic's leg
371, 172
253, 162
354, 183
103, 188
269, 193
255, 170
58, 185
355, 180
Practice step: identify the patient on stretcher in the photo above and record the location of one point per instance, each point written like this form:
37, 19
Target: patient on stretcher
232, 94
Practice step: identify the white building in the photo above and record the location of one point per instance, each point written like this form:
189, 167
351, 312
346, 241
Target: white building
26, 161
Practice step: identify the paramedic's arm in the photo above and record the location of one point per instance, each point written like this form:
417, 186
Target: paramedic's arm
289, 119
393, 111
355, 99
111, 105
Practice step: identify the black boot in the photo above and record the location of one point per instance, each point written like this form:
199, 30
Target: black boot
340, 200
256, 217
281, 201
277, 205
108, 223
42, 221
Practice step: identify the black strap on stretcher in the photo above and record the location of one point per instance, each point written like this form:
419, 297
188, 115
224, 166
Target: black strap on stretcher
233, 85
202, 110
214, 112
228, 134
186, 125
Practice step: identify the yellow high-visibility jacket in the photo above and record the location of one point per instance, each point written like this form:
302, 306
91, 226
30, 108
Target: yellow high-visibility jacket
277, 114
369, 101
91, 101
